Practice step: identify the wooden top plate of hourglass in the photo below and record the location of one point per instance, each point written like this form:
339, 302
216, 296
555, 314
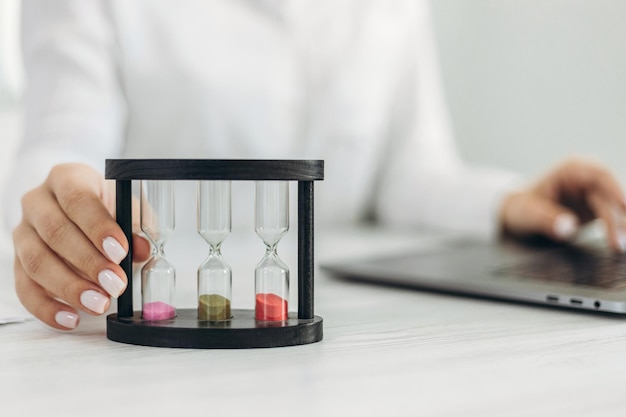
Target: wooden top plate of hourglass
213, 324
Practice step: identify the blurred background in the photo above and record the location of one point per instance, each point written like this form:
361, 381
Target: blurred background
11, 84
527, 81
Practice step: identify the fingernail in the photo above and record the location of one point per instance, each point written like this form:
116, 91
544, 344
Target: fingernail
113, 249
66, 319
94, 301
111, 282
565, 226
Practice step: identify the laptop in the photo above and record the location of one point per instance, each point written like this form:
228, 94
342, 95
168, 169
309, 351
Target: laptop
582, 276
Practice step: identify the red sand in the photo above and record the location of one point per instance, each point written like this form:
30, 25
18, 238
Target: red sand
270, 307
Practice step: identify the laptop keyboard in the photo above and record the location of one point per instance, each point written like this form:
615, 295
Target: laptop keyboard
593, 268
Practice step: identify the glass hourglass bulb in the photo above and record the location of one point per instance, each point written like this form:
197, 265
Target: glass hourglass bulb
158, 276
214, 275
271, 274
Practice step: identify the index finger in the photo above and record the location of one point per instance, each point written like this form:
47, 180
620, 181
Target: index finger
610, 187
595, 177
79, 192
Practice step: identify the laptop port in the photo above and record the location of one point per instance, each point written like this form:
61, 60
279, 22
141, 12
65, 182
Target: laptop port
552, 299
576, 301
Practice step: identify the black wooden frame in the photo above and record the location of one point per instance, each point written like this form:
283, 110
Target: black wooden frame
242, 331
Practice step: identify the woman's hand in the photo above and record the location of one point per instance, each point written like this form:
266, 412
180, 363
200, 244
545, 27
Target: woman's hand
574, 193
68, 247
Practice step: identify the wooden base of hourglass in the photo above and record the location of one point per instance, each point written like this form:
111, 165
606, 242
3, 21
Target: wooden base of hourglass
242, 330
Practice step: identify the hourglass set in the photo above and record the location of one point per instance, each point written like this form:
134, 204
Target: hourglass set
215, 275
214, 324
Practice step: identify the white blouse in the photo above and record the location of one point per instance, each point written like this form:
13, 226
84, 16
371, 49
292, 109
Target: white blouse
353, 82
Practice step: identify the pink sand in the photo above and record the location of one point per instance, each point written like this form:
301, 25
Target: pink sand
158, 310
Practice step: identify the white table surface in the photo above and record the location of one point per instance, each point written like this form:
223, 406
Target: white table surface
386, 352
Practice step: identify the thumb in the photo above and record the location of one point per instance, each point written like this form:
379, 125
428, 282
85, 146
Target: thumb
141, 248
141, 245
530, 214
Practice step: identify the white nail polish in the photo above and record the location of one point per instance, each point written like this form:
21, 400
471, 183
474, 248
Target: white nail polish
565, 226
113, 249
94, 301
66, 319
111, 282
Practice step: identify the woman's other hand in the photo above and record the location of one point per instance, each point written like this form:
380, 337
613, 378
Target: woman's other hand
576, 192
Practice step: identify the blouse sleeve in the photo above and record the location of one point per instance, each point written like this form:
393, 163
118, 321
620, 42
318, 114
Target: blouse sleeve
425, 183
73, 106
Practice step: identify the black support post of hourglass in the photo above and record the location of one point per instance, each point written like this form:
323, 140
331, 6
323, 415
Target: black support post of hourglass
242, 330
306, 264
124, 216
